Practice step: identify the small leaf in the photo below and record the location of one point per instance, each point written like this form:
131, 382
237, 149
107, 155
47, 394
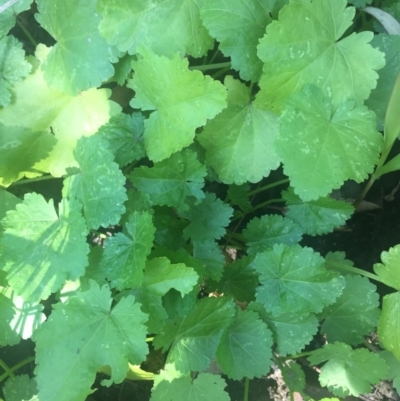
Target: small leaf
20, 388
389, 270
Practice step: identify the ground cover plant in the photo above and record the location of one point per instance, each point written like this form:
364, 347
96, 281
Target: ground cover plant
161, 165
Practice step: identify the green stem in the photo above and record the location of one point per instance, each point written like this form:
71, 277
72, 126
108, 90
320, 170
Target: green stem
27, 33
365, 191
299, 355
220, 72
29, 180
354, 270
246, 388
207, 67
266, 203
269, 186
7, 370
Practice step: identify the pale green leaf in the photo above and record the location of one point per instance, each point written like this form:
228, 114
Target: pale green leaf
13, 67
8, 15
124, 134
20, 149
99, 185
245, 348
264, 232
347, 371
125, 254
68, 117
205, 386
43, 249
208, 219
181, 101
238, 25
8, 201
193, 340
81, 59
354, 314
394, 368
172, 180
20, 388
7, 312
83, 335
239, 142
294, 279
317, 217
291, 331
166, 27
389, 270
331, 144
389, 324
313, 53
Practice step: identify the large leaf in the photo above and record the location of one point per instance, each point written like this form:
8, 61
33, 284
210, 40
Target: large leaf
193, 340
244, 24
83, 335
81, 59
125, 254
294, 279
317, 217
331, 144
347, 371
239, 141
41, 249
13, 66
313, 53
183, 100
20, 149
68, 117
172, 180
99, 185
389, 324
245, 348
166, 27
354, 314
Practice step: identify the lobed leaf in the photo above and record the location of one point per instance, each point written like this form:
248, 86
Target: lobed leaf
388, 271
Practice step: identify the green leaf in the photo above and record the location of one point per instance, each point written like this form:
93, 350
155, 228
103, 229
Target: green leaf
293, 279
83, 335
243, 25
211, 256
379, 99
354, 314
360, 3
164, 27
125, 254
18, 319
8, 15
193, 340
239, 141
13, 67
237, 195
68, 117
294, 377
20, 388
389, 270
172, 180
41, 249
93, 271
245, 348
20, 149
394, 368
313, 53
208, 219
183, 100
99, 185
124, 134
239, 280
81, 59
347, 371
317, 217
8, 201
389, 324
332, 144
264, 232
292, 331
205, 386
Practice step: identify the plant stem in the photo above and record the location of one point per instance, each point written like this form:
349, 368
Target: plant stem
355, 270
207, 67
365, 191
269, 186
299, 355
7, 370
246, 388
27, 33
220, 72
266, 203
29, 180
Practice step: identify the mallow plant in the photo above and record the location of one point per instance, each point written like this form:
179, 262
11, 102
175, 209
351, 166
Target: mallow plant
133, 140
